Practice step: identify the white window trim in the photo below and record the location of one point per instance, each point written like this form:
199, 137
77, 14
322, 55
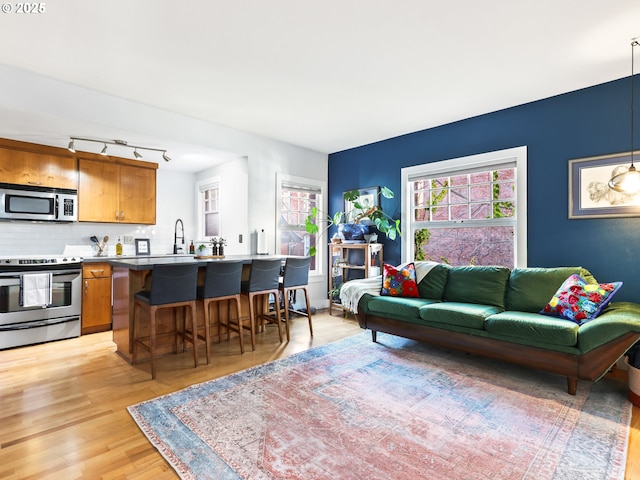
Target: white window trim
321, 251
202, 185
481, 161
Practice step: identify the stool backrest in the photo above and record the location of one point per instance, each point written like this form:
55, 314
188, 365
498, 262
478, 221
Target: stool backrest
265, 275
173, 283
296, 272
222, 279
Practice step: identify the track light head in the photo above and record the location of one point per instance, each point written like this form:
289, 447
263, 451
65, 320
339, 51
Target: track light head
71, 146
166, 157
104, 150
136, 154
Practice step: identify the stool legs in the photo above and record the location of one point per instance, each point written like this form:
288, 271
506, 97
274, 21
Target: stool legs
255, 313
152, 346
235, 299
285, 294
152, 341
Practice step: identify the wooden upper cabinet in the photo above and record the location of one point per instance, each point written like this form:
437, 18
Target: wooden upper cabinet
115, 192
29, 164
110, 189
137, 195
97, 191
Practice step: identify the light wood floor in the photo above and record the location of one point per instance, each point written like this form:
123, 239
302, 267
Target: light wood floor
63, 404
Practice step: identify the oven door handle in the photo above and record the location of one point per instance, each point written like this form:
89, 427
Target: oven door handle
54, 273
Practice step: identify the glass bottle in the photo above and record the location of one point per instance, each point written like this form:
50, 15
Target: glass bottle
118, 247
192, 248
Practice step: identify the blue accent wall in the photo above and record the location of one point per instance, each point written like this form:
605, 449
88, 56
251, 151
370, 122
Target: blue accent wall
585, 123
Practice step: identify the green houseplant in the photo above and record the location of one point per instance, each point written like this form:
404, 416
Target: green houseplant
383, 222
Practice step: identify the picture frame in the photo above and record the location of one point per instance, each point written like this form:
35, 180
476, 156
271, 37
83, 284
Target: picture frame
143, 246
369, 197
589, 193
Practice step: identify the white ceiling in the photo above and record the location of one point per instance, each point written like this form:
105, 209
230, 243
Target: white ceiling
327, 75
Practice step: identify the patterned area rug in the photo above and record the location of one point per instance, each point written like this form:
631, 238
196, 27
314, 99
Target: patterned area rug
355, 409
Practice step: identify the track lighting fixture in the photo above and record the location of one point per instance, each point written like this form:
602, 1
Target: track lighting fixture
120, 143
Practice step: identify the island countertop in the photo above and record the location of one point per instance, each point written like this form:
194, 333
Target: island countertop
147, 263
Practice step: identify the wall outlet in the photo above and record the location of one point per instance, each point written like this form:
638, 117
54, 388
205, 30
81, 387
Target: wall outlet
128, 239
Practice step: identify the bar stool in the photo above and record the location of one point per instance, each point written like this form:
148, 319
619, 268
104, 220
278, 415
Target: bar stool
264, 279
221, 283
295, 277
172, 286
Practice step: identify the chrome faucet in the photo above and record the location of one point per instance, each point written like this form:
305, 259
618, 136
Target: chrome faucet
176, 237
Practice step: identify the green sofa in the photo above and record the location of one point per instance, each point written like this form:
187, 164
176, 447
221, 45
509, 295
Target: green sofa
493, 312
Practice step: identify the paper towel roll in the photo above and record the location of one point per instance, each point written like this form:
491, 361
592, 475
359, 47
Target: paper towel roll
263, 241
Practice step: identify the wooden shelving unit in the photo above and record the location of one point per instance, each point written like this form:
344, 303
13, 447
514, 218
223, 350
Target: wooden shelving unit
341, 263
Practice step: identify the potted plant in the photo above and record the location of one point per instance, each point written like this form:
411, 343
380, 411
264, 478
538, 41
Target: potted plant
633, 363
334, 294
360, 213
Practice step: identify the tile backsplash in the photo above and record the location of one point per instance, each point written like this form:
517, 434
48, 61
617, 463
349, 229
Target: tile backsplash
36, 238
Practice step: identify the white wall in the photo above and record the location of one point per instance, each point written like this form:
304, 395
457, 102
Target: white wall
234, 203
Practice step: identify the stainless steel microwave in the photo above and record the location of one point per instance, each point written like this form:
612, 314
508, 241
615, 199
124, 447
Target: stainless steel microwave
21, 202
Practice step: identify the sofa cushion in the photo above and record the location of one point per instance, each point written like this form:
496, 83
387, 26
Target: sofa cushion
432, 285
482, 285
534, 327
399, 281
578, 301
397, 306
530, 289
468, 315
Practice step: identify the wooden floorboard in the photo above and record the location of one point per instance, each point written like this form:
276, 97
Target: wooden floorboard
63, 404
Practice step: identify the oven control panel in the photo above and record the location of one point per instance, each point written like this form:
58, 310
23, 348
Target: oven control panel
40, 261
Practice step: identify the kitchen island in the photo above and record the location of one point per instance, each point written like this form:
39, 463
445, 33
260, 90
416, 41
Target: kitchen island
130, 275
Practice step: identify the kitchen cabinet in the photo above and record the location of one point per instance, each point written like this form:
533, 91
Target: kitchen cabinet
96, 297
114, 192
137, 195
29, 164
345, 258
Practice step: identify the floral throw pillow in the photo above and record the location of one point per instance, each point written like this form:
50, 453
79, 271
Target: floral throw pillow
579, 301
399, 281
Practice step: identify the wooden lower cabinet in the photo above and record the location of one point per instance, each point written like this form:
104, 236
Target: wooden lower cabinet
96, 297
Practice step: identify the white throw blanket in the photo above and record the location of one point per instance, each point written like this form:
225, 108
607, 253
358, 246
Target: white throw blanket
353, 290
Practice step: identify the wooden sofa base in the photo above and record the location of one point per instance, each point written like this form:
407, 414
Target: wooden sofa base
589, 366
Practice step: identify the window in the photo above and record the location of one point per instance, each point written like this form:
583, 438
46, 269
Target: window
468, 211
209, 209
297, 197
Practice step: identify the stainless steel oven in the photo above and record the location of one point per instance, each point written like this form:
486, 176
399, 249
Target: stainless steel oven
56, 319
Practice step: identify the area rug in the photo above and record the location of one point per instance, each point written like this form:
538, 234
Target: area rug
395, 409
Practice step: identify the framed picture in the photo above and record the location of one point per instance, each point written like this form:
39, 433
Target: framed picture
589, 192
142, 246
368, 198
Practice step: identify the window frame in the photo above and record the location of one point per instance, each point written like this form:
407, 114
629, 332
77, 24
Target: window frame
282, 181
201, 187
495, 160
